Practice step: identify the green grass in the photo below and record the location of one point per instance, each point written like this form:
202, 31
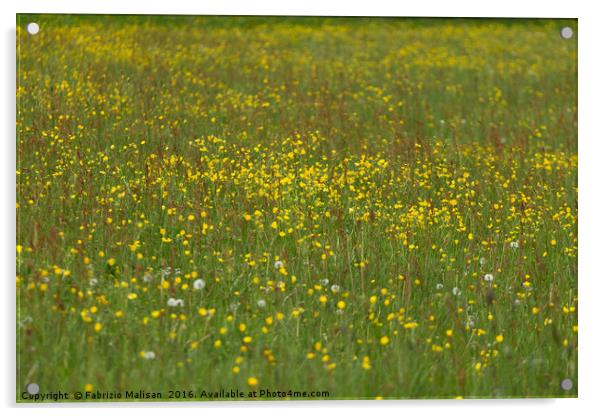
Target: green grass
400, 159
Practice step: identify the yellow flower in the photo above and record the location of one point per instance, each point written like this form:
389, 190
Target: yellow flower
89, 387
499, 338
252, 381
384, 340
341, 304
111, 262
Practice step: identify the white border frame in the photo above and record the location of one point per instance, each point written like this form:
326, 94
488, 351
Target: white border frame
590, 288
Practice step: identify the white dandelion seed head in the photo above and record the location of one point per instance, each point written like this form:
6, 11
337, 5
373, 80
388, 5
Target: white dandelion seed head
178, 271
456, 291
173, 302
514, 244
470, 322
261, 303
278, 265
335, 288
93, 282
488, 277
147, 277
198, 284
149, 355
439, 286
482, 261
324, 282
26, 321
339, 311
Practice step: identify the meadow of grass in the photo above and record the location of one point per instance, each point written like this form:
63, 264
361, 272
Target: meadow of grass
376, 208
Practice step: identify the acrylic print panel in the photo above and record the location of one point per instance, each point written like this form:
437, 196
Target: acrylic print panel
273, 208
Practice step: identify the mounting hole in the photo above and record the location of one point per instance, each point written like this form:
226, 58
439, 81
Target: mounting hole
566, 384
32, 388
33, 28
566, 32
